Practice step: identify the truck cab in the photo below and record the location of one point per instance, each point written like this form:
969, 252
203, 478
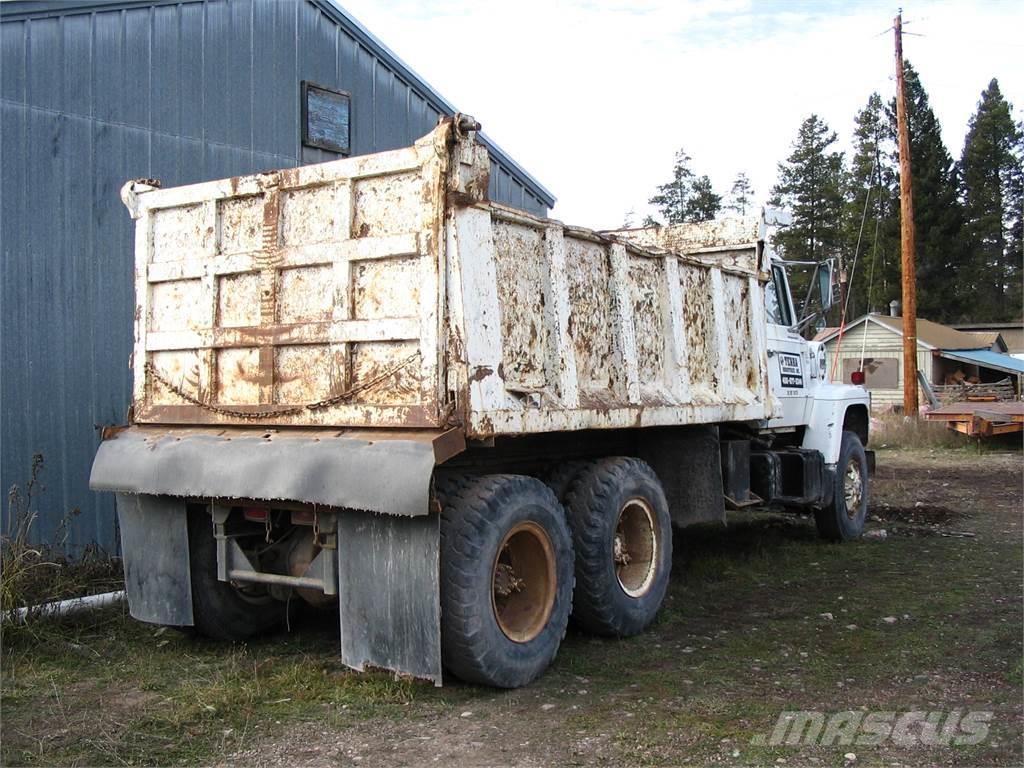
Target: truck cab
824, 423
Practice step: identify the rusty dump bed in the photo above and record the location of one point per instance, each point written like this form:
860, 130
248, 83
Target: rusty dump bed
384, 291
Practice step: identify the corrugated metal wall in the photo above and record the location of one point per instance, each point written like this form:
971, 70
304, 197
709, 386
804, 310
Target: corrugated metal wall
182, 92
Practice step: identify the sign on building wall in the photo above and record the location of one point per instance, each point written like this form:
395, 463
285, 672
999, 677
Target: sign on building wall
879, 372
326, 118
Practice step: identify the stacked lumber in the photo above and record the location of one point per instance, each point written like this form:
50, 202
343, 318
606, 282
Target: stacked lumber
965, 390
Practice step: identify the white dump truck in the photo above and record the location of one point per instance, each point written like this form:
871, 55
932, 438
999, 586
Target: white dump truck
363, 384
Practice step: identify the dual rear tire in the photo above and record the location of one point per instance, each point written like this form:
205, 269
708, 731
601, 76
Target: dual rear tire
622, 533
506, 578
511, 554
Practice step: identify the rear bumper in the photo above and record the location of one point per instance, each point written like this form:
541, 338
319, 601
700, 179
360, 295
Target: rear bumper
386, 471
387, 564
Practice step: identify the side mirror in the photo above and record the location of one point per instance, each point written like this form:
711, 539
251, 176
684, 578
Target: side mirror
825, 285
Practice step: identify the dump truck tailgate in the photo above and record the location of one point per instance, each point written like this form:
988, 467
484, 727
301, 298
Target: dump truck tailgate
306, 296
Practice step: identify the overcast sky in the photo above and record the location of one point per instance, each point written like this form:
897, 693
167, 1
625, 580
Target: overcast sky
594, 98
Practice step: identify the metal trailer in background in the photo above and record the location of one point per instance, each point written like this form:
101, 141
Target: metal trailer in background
981, 418
363, 382
93, 92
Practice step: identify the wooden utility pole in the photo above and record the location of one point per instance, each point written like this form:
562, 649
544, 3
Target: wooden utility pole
906, 239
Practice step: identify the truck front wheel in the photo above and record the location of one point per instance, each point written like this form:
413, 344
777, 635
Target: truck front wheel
506, 579
843, 519
622, 534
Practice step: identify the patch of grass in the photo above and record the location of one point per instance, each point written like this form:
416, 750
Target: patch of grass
893, 430
109, 689
34, 573
741, 638
749, 637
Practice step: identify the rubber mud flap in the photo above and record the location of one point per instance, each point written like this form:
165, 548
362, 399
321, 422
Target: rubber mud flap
389, 593
154, 550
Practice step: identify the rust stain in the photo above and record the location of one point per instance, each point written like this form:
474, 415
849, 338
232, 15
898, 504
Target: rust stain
111, 431
486, 428
481, 372
520, 265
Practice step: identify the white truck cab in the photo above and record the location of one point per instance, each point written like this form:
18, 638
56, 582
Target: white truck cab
826, 418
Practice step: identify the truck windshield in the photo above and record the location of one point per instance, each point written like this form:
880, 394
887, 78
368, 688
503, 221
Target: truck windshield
775, 298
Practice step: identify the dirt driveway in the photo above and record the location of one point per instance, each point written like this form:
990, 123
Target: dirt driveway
762, 619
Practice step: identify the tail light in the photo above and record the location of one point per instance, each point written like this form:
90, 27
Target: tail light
255, 514
857, 377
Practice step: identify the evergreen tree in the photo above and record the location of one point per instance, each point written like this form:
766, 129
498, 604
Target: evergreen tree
741, 196
871, 218
810, 186
686, 198
673, 198
703, 204
937, 213
993, 193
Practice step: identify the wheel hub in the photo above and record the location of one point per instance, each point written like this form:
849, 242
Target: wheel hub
635, 547
523, 582
852, 488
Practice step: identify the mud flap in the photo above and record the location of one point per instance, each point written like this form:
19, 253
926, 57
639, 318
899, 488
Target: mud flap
689, 464
154, 547
389, 593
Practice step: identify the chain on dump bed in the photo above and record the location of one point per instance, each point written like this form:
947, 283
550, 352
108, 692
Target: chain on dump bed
272, 413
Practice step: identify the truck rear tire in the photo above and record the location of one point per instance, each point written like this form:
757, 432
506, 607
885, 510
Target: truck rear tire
843, 519
221, 610
622, 534
506, 578
561, 478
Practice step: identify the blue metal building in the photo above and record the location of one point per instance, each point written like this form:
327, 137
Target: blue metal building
96, 93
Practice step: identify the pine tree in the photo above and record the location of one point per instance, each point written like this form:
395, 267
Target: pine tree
871, 218
938, 217
672, 198
993, 193
686, 198
810, 185
703, 204
741, 196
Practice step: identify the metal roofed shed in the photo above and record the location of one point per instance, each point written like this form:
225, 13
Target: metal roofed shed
96, 93
1012, 333
986, 358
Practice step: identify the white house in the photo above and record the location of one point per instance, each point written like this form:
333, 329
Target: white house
874, 343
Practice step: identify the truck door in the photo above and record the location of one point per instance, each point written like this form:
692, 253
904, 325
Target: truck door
789, 363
